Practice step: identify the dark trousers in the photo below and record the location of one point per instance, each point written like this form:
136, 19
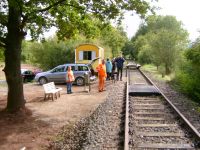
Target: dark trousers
69, 87
108, 75
119, 72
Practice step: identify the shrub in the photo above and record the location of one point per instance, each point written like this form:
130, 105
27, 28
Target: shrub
53, 53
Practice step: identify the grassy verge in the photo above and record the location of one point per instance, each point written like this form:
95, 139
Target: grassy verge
157, 73
158, 76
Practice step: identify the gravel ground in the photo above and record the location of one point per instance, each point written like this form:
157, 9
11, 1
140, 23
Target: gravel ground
102, 130
184, 104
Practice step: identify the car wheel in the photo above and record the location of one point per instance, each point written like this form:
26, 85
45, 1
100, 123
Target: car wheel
42, 80
79, 81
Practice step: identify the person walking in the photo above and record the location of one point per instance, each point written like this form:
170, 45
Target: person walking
120, 61
101, 68
69, 79
108, 68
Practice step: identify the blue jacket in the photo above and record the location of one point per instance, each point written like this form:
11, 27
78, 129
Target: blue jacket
108, 66
120, 61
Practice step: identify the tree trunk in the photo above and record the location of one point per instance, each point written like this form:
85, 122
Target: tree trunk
15, 99
167, 69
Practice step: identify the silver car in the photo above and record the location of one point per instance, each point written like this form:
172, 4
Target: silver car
58, 74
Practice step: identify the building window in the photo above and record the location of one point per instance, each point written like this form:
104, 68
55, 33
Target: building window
87, 55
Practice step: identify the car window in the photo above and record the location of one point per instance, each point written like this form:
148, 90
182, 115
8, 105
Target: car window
76, 68
72, 68
59, 69
28, 72
82, 68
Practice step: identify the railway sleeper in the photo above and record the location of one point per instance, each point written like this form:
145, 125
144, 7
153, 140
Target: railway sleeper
160, 134
156, 125
164, 146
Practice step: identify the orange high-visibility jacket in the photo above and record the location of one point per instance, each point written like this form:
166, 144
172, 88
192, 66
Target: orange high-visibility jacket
101, 70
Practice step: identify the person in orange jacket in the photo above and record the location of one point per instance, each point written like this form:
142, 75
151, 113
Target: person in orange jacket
69, 79
101, 68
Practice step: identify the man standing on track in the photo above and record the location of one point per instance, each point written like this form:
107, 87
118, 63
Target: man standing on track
120, 62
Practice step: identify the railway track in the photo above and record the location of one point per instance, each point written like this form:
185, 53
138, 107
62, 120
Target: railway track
152, 121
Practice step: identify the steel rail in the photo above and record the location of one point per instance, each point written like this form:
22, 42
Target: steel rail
194, 130
126, 135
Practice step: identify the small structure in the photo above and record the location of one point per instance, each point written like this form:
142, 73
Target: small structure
85, 53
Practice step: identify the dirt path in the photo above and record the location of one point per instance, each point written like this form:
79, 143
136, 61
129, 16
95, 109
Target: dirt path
35, 131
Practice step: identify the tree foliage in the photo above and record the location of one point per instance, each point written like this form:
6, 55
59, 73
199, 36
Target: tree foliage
128, 50
51, 50
115, 38
71, 17
163, 37
188, 74
193, 54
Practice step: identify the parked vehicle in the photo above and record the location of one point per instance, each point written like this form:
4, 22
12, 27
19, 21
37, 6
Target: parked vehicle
27, 75
58, 74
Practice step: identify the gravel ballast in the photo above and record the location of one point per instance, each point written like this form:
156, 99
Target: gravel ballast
103, 129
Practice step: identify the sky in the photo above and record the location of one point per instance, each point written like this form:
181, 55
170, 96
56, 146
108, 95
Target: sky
186, 11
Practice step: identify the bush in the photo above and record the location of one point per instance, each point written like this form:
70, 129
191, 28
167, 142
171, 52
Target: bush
144, 57
53, 53
187, 80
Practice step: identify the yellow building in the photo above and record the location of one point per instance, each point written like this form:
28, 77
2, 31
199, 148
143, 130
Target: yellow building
85, 53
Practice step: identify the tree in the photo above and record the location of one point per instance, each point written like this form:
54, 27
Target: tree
142, 49
193, 54
19, 16
115, 38
164, 37
51, 50
188, 72
167, 39
130, 49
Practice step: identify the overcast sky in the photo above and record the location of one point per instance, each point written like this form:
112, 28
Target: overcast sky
186, 11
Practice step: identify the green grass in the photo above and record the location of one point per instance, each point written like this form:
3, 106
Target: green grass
157, 73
